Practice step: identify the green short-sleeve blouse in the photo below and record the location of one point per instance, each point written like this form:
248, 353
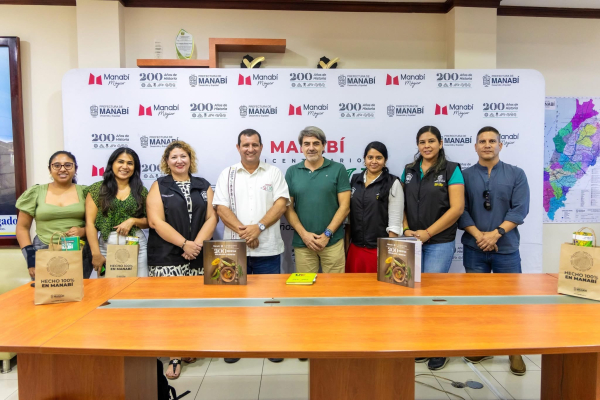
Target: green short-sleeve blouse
50, 218
121, 210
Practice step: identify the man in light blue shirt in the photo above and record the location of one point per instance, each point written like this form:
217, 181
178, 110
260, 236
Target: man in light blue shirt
496, 202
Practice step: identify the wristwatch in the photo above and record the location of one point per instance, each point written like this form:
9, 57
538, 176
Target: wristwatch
501, 231
262, 227
328, 233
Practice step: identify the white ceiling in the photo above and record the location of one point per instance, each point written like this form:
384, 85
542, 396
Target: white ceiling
522, 3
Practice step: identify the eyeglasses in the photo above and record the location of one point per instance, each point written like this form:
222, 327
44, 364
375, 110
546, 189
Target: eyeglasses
487, 204
57, 166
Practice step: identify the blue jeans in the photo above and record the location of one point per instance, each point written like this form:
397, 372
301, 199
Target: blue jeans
437, 258
477, 261
264, 265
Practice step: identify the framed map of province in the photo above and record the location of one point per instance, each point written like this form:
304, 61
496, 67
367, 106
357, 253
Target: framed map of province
571, 150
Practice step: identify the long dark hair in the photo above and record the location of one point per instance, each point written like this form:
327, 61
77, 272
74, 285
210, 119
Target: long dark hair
440, 164
386, 178
109, 188
68, 154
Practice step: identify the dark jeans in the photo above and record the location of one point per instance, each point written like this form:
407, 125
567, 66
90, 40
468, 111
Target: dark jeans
264, 265
477, 261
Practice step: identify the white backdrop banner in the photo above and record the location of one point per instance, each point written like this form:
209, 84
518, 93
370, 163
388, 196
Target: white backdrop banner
145, 109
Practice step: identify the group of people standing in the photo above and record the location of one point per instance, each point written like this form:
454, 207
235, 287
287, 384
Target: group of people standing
429, 201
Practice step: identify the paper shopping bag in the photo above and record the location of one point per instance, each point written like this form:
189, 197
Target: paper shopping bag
121, 260
579, 270
58, 274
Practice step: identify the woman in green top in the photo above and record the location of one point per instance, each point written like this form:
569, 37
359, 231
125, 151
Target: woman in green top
117, 206
58, 206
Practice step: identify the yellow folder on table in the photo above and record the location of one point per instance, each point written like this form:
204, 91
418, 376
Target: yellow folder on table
301, 279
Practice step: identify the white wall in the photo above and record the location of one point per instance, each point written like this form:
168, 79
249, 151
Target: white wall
565, 51
48, 50
366, 40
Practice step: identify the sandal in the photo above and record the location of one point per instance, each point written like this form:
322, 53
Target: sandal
189, 360
176, 362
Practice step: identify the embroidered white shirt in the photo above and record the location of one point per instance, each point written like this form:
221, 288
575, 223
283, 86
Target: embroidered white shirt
254, 194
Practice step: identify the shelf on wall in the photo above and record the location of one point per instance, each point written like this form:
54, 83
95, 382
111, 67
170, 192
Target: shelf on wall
215, 46
160, 63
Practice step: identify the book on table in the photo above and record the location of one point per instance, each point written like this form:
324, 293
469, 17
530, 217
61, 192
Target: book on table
225, 262
301, 279
399, 261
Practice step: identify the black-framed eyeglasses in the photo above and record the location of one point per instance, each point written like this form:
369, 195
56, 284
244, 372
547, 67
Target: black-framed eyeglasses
487, 204
68, 166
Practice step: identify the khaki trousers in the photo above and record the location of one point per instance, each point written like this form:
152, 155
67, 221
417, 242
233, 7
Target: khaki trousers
332, 259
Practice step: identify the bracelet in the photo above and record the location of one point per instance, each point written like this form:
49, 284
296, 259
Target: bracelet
183, 245
428, 234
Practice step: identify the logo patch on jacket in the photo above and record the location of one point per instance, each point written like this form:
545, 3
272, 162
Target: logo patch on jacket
204, 195
439, 181
408, 177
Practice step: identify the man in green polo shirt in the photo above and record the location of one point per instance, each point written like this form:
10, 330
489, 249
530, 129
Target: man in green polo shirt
320, 201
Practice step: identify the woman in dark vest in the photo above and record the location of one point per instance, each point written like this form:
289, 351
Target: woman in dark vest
375, 210
434, 198
181, 218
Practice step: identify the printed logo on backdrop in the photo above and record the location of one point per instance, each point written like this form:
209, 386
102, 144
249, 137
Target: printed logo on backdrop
405, 110
457, 140
454, 80
151, 172
509, 139
356, 80
158, 80
156, 141
308, 80
263, 111
207, 80
208, 110
310, 110
264, 80
550, 104
109, 140
97, 171
457, 110
406, 79
112, 80
500, 80
159, 110
500, 110
356, 110
439, 110
290, 152
108, 111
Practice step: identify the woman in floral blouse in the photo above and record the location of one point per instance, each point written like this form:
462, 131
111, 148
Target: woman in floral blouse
117, 206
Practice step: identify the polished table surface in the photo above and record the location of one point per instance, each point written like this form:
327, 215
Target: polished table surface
313, 332
356, 351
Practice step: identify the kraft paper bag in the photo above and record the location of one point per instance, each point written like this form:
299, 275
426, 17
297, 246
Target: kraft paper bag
121, 260
58, 274
579, 271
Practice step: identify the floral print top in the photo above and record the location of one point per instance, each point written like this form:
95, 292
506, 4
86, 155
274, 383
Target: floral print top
120, 211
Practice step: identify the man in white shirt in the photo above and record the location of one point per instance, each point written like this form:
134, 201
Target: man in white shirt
250, 198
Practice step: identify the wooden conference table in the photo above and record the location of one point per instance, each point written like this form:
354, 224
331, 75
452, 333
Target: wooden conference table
85, 351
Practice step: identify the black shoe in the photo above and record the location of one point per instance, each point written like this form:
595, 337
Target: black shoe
437, 363
303, 359
275, 360
231, 360
421, 359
